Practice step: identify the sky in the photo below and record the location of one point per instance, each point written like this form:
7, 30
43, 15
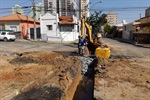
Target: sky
128, 10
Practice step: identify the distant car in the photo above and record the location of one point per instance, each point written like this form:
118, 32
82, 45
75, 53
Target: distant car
7, 36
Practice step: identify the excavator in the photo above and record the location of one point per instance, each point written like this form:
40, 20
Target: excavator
92, 45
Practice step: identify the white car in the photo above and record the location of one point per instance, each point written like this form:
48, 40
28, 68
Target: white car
7, 36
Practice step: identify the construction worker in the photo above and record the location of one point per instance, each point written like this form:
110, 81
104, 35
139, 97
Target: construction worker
82, 42
99, 39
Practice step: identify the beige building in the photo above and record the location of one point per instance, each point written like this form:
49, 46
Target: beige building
83, 7
112, 19
147, 12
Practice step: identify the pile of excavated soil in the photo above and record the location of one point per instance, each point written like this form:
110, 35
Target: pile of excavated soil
37, 75
122, 80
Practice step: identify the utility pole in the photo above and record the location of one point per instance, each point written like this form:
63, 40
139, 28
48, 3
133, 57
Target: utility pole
80, 10
34, 16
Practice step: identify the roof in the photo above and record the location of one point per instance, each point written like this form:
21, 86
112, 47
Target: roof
17, 17
65, 20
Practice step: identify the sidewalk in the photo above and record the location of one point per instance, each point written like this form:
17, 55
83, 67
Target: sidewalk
133, 42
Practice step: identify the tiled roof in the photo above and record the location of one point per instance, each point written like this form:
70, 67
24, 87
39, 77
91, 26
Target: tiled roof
17, 17
65, 20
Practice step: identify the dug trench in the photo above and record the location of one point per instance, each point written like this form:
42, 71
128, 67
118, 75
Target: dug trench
55, 76
48, 76
40, 76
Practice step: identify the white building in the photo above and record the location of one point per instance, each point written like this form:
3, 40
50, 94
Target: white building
127, 31
83, 7
17, 10
58, 29
39, 10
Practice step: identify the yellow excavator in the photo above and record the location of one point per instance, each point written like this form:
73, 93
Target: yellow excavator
92, 45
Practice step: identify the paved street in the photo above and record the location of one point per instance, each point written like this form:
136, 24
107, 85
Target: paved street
28, 46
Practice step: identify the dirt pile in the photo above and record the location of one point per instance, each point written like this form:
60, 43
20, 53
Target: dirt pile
34, 72
122, 79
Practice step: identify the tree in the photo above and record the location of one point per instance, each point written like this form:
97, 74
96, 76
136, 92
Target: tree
96, 20
107, 28
110, 31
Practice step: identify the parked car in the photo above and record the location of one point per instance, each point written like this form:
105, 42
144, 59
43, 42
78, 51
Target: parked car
7, 36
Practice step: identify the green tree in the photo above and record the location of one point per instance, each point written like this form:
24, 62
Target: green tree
107, 29
96, 20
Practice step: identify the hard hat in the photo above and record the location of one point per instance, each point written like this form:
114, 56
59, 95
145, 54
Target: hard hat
99, 35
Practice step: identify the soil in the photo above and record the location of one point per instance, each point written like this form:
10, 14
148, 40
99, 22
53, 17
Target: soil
126, 76
43, 74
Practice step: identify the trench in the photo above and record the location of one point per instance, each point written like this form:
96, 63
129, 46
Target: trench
82, 87
85, 88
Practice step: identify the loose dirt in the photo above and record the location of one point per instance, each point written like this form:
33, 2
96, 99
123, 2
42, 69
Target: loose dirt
39, 73
123, 79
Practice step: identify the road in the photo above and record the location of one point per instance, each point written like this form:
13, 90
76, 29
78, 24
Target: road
7, 48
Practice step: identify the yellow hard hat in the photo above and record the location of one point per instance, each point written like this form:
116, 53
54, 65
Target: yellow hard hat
99, 35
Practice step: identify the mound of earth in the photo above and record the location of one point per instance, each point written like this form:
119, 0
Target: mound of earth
38, 74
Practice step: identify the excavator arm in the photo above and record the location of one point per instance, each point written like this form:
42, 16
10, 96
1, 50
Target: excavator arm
88, 28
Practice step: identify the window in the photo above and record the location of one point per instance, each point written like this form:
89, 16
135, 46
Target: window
49, 27
14, 28
3, 33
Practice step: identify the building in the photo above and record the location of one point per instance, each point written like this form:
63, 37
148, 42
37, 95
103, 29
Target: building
83, 7
127, 31
67, 7
58, 28
17, 10
112, 19
147, 12
141, 30
62, 7
50, 6
39, 10
18, 23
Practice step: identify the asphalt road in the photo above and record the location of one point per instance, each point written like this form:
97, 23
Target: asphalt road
120, 49
127, 50
10, 48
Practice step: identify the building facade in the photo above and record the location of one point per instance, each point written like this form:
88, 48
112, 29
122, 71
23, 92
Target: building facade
18, 23
39, 10
147, 12
127, 31
17, 10
112, 19
58, 28
83, 7
62, 7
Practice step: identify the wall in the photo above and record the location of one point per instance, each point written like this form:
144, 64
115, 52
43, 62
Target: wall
127, 31
51, 35
24, 26
69, 36
13, 25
